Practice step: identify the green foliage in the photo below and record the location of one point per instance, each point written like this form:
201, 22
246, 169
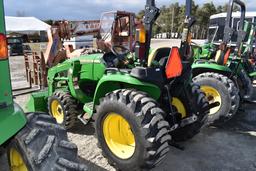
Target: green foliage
172, 17
50, 22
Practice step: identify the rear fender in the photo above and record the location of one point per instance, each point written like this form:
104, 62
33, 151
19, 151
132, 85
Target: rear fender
12, 120
253, 74
111, 82
199, 68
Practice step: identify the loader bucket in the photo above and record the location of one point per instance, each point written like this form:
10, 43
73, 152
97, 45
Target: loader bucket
37, 102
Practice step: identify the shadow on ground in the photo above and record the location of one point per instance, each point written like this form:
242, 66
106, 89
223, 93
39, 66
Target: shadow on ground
91, 166
82, 129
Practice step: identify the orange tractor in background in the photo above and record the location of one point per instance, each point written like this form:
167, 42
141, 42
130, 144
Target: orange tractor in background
114, 28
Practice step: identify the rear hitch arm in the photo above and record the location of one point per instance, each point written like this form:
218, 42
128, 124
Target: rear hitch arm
210, 106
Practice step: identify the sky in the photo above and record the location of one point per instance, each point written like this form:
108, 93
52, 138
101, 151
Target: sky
87, 9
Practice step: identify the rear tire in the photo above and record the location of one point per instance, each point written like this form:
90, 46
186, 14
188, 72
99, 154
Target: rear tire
146, 122
43, 145
227, 94
65, 111
192, 103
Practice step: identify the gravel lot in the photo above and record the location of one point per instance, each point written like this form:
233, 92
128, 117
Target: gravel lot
231, 147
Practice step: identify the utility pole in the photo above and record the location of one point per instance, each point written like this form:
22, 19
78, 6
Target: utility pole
172, 20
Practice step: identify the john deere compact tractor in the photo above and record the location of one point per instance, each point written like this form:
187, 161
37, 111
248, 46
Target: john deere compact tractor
219, 69
34, 142
137, 107
242, 67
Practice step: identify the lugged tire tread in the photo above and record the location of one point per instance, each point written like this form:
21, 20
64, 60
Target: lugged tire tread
69, 105
233, 93
45, 151
189, 131
154, 126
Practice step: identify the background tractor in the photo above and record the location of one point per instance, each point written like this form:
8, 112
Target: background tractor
242, 67
220, 69
33, 141
136, 107
114, 28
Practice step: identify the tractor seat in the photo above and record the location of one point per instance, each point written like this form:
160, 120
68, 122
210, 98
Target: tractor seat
148, 74
158, 55
221, 57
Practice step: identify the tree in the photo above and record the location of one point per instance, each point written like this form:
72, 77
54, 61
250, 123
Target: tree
225, 8
141, 14
203, 15
50, 22
172, 17
219, 9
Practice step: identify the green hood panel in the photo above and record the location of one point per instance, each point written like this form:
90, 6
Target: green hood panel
86, 58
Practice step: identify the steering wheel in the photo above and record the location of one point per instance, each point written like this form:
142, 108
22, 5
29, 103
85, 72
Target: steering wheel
119, 50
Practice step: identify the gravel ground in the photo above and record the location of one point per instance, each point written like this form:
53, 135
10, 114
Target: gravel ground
231, 147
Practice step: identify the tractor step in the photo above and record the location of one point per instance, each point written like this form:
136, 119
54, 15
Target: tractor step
85, 117
82, 119
88, 108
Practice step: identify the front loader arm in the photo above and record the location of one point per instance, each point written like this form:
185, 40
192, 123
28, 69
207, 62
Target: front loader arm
64, 72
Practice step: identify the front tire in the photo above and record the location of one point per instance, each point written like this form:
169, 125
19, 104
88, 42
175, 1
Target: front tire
42, 145
219, 88
131, 130
63, 107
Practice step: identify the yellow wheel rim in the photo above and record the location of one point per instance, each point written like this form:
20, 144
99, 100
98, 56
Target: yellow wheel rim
57, 111
16, 161
118, 136
179, 106
213, 96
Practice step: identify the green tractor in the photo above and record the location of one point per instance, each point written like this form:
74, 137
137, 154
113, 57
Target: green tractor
224, 72
32, 141
137, 108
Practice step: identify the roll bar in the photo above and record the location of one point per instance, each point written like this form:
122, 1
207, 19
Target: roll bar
152, 13
228, 31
